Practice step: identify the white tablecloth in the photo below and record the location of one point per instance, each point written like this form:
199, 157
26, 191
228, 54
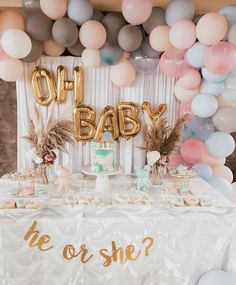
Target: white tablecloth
187, 242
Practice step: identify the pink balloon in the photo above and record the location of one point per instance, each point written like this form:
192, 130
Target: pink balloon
220, 58
52, 48
54, 9
183, 34
11, 70
191, 79
173, 67
10, 19
136, 12
122, 74
175, 159
159, 38
92, 34
183, 94
211, 28
223, 171
192, 150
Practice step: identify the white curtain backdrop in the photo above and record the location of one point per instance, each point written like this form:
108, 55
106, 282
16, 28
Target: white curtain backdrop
98, 92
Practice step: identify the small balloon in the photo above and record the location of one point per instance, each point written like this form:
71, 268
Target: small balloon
195, 55
54, 9
39, 26
80, 11
76, 49
219, 58
113, 22
52, 48
191, 79
179, 10
192, 150
212, 161
122, 74
225, 118
142, 63
220, 144
91, 57
204, 170
157, 18
204, 105
130, 38
65, 32
111, 54
35, 53
136, 12
159, 38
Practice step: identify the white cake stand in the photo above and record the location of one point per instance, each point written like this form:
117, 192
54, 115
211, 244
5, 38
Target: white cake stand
102, 179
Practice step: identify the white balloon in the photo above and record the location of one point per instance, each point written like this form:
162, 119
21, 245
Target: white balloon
213, 77
220, 144
211, 88
195, 55
90, 57
221, 185
218, 277
204, 105
16, 43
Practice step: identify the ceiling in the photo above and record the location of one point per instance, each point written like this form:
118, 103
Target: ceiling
201, 6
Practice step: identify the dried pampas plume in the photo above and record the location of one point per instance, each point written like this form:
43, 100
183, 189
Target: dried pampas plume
159, 136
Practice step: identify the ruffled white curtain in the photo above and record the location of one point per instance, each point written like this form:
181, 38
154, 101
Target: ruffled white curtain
98, 92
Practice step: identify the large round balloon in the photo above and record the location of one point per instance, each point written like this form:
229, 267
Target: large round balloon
191, 79
212, 77
178, 10
204, 105
52, 48
232, 35
80, 11
192, 150
35, 53
92, 34
157, 18
65, 32
113, 22
159, 38
225, 118
76, 49
10, 19
195, 55
90, 57
211, 88
122, 74
111, 54
219, 58
173, 67
221, 185
204, 170
200, 128
184, 95
39, 26
183, 34
54, 9
207, 24
11, 70
223, 171
16, 43
220, 144
136, 12
130, 38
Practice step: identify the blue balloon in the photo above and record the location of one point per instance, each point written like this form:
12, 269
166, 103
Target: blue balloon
204, 170
110, 54
200, 128
211, 88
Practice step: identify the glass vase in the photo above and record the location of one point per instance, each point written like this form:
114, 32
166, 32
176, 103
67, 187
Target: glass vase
156, 177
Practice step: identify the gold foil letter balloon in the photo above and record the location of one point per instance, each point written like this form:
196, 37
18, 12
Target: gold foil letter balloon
128, 119
154, 115
43, 97
84, 120
107, 122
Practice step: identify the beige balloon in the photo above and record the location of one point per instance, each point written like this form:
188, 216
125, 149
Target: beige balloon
225, 118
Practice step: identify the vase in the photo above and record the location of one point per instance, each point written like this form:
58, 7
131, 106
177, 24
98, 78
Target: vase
156, 177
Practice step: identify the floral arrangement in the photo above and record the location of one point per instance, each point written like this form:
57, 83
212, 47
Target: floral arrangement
160, 139
46, 138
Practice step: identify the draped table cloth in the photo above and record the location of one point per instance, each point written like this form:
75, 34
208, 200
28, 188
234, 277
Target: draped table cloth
187, 242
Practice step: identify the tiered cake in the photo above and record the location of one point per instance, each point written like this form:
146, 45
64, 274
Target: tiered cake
103, 156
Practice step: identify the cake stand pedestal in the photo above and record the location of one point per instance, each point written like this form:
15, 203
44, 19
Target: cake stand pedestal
102, 179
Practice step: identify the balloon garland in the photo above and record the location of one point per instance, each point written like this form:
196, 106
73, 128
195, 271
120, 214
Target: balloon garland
199, 50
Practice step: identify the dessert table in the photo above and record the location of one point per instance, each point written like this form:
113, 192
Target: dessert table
171, 246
